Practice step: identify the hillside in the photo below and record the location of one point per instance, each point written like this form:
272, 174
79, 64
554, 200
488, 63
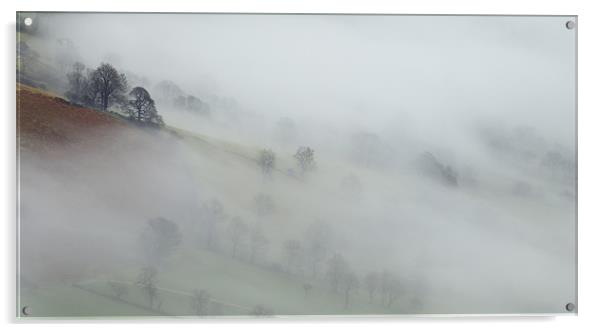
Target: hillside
77, 146
46, 121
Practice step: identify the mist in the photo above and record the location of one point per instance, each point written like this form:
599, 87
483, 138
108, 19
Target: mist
444, 148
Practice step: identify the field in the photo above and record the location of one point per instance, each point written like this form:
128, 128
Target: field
237, 288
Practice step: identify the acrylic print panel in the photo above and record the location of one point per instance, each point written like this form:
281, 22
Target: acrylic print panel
271, 165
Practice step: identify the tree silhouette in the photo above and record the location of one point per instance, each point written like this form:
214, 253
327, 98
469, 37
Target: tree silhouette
293, 253
109, 84
371, 284
305, 158
258, 243
349, 283
337, 268
147, 283
200, 302
238, 232
141, 107
319, 243
213, 215
159, 239
267, 161
78, 84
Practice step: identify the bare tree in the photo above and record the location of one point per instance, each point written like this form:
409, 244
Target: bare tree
293, 253
394, 291
147, 283
305, 159
66, 53
349, 284
110, 85
119, 289
307, 288
261, 310
141, 107
192, 104
263, 204
337, 268
258, 244
390, 288
319, 243
434, 168
212, 215
371, 284
78, 84
159, 239
200, 302
238, 231
383, 285
267, 162
167, 91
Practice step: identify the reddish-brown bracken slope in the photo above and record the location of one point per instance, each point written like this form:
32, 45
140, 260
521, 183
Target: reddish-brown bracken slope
46, 122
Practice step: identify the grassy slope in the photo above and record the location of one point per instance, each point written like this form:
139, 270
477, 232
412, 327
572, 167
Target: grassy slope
68, 301
236, 286
46, 121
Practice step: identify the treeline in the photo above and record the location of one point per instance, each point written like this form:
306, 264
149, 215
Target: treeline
170, 94
105, 87
312, 257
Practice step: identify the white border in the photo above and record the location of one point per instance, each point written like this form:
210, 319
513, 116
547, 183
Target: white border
590, 166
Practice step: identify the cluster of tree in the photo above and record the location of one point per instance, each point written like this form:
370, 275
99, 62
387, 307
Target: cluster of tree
159, 239
169, 93
203, 305
267, 162
201, 302
263, 205
147, 281
432, 167
261, 310
341, 277
105, 87
211, 217
118, 289
142, 108
101, 87
191, 103
305, 159
367, 149
307, 256
313, 257
316, 258
240, 239
385, 284
337, 272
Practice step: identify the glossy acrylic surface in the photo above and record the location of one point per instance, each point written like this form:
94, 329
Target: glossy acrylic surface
234, 164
